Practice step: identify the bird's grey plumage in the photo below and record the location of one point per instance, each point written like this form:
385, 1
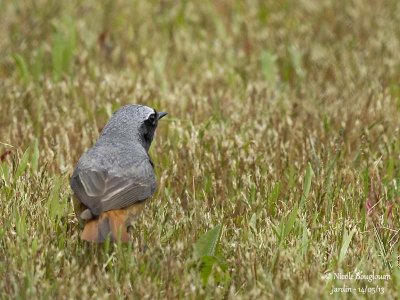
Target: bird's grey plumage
117, 171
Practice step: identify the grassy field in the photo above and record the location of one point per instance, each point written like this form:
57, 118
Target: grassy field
278, 164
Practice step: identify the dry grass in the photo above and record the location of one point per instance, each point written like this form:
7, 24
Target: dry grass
266, 100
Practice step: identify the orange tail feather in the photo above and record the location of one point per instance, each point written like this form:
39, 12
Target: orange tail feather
109, 224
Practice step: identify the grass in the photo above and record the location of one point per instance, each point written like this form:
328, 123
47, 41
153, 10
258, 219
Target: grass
278, 164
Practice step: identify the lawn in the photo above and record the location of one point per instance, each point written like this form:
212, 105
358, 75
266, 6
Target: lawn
278, 165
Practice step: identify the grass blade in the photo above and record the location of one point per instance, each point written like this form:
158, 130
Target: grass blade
306, 185
345, 245
23, 163
22, 67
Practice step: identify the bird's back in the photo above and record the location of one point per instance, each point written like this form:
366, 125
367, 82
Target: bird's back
113, 176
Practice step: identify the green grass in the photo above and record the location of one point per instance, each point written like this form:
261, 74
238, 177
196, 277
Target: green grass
278, 163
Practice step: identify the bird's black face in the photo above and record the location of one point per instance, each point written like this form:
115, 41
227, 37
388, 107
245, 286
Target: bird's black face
149, 127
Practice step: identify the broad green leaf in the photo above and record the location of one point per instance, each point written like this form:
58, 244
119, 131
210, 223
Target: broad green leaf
207, 262
205, 245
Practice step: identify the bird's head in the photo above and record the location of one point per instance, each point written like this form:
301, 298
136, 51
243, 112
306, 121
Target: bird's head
133, 123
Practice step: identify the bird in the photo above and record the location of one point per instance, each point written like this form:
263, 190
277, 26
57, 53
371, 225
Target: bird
114, 179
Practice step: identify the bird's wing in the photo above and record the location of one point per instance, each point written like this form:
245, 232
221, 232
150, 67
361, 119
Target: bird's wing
102, 191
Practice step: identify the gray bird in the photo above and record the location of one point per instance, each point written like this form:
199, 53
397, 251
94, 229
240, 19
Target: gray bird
114, 178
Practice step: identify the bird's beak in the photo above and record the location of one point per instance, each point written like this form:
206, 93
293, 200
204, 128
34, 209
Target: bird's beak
161, 114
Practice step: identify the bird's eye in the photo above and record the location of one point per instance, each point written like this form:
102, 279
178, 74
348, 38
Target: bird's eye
152, 119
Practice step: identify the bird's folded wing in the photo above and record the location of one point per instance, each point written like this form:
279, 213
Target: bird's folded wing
102, 191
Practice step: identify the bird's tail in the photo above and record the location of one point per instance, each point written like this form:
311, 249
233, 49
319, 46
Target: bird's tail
109, 224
